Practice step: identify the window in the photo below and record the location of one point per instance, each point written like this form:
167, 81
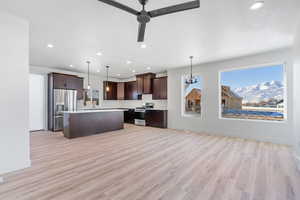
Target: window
192, 97
254, 93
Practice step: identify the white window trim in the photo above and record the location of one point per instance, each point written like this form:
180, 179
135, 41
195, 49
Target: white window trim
183, 114
285, 92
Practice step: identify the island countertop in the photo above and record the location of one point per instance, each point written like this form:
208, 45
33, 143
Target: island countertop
93, 111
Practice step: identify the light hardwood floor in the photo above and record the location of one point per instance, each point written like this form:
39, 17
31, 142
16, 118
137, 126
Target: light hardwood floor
151, 164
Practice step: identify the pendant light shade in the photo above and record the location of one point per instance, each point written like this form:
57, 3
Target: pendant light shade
89, 85
107, 86
191, 79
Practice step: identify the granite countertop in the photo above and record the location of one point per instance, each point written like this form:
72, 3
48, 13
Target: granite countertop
93, 111
122, 109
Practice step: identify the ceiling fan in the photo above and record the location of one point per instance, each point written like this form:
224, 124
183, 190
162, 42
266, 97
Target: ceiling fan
144, 17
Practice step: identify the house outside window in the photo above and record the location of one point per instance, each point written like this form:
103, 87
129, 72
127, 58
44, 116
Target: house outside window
192, 97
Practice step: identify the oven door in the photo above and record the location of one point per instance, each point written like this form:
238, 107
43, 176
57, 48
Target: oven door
139, 118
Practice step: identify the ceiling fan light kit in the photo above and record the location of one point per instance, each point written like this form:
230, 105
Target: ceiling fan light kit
144, 17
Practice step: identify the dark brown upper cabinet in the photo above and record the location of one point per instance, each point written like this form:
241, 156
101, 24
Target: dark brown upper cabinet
140, 84
112, 93
131, 91
144, 83
121, 91
64, 81
160, 88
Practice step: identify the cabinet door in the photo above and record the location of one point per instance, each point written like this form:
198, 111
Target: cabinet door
140, 84
129, 116
78, 83
160, 88
156, 118
59, 81
148, 79
121, 91
164, 88
112, 93
131, 91
156, 89
74, 83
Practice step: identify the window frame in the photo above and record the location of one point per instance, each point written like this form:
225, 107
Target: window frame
183, 113
285, 91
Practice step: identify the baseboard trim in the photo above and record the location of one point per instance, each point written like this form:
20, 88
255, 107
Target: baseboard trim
17, 167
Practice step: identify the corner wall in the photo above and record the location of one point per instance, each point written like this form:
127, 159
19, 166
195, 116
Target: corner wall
296, 55
14, 100
276, 132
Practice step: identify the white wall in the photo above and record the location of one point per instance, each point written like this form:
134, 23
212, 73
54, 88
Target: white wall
37, 108
276, 132
14, 100
296, 55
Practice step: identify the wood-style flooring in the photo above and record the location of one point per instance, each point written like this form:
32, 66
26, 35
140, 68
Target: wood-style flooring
151, 164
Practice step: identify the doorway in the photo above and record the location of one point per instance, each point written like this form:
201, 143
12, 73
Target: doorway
37, 103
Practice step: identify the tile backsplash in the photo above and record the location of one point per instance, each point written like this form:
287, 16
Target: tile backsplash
158, 104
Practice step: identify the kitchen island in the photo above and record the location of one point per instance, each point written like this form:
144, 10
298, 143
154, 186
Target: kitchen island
91, 122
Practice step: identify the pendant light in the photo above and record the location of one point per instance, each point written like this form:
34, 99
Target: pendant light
107, 86
89, 85
191, 80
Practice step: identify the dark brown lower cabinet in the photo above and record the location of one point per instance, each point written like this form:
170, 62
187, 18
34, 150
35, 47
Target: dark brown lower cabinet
129, 116
157, 118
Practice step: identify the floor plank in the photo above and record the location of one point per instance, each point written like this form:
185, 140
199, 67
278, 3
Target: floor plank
150, 164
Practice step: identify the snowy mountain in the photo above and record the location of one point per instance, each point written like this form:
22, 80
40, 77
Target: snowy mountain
261, 92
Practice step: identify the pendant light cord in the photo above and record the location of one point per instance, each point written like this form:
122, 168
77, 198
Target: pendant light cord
107, 73
88, 62
191, 67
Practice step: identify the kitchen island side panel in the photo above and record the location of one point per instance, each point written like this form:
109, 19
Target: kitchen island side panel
91, 123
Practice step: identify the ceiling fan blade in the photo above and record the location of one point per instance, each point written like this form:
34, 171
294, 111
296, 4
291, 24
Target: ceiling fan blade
120, 6
142, 29
175, 8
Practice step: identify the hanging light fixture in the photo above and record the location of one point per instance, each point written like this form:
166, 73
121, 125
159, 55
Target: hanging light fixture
191, 80
107, 87
89, 85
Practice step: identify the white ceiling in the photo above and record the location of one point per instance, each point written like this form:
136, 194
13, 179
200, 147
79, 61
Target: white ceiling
220, 29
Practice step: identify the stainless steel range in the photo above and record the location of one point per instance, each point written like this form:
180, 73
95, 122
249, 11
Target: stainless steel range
140, 113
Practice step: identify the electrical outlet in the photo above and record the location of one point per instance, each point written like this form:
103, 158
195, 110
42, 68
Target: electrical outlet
1, 180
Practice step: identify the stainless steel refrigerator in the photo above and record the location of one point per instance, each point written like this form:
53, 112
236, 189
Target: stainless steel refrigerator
63, 100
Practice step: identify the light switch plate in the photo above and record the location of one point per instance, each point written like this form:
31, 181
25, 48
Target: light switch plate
1, 180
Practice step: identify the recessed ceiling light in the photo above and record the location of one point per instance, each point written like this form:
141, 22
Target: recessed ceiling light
128, 62
133, 71
99, 54
118, 74
257, 5
98, 70
143, 46
50, 46
71, 65
148, 68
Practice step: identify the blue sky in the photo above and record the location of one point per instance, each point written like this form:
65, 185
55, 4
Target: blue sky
252, 76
